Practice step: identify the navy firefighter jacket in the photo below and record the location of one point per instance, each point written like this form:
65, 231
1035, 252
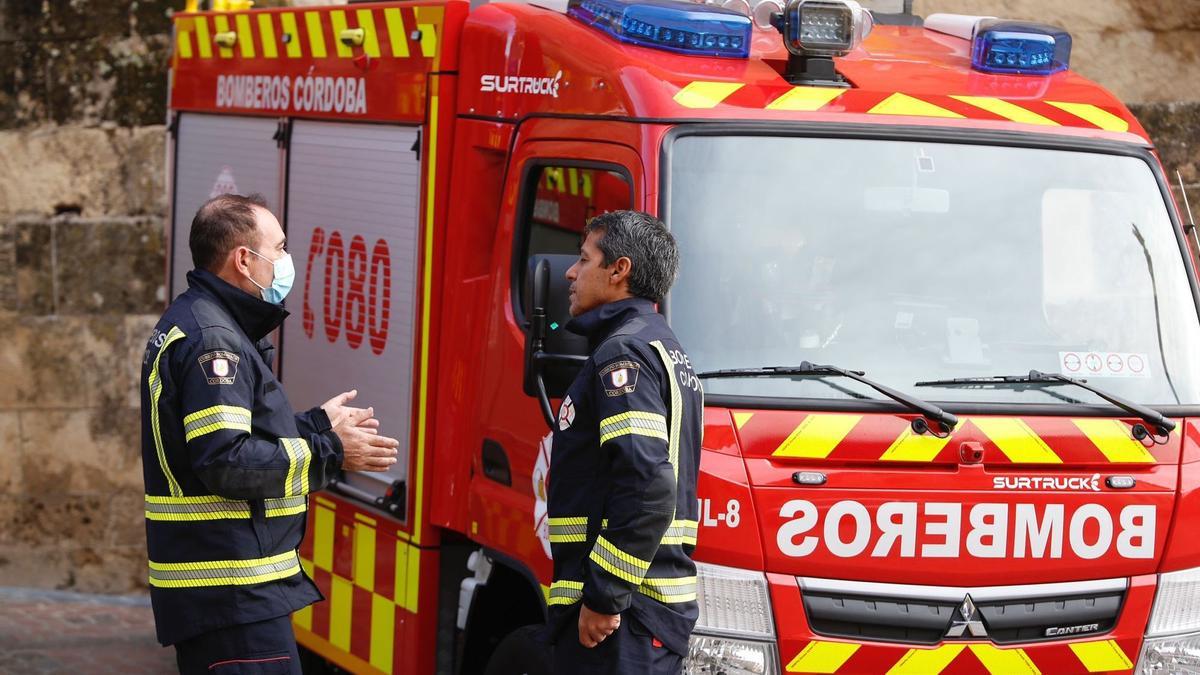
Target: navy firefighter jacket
622, 485
228, 465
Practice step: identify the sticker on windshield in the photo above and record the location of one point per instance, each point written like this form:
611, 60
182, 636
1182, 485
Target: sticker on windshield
1104, 364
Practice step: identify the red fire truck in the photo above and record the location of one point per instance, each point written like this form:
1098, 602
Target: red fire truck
935, 288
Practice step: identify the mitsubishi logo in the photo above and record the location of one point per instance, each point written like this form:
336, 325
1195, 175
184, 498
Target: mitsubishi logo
969, 621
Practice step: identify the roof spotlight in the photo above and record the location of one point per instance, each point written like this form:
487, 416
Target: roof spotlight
815, 31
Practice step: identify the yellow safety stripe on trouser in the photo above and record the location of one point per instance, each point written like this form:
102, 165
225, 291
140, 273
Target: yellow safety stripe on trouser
633, 422
617, 562
224, 572
155, 383
567, 530
662, 589
215, 418
681, 532
299, 459
565, 592
212, 507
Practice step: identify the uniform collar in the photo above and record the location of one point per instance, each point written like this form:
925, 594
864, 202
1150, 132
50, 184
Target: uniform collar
255, 316
599, 323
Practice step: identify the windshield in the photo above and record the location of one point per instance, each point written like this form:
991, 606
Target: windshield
917, 261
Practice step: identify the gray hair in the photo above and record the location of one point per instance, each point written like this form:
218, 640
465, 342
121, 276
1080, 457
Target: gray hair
648, 244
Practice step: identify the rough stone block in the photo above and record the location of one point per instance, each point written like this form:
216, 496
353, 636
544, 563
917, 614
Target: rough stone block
33, 244
62, 362
108, 569
40, 566
8, 268
127, 519
10, 454
64, 521
109, 267
81, 452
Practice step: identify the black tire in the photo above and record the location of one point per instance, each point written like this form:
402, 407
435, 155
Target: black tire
521, 652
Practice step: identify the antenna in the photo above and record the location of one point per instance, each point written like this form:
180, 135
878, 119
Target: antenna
1191, 223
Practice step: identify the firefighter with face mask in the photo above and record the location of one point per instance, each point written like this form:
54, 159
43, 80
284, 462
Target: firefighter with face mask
622, 483
228, 465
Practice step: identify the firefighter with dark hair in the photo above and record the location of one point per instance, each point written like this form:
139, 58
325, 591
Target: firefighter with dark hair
622, 484
228, 465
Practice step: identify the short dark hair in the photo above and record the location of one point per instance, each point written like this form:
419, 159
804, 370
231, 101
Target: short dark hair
648, 244
222, 224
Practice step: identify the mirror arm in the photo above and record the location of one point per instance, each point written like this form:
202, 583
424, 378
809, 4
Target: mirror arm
544, 400
542, 357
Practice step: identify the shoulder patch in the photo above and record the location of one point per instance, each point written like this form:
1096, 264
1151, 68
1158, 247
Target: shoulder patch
620, 378
219, 366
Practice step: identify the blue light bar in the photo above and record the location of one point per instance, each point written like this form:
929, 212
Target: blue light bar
671, 25
1019, 48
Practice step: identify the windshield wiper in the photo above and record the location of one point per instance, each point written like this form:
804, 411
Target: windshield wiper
1161, 424
806, 369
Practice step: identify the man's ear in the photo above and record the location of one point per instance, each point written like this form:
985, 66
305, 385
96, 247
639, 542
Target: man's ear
241, 260
618, 272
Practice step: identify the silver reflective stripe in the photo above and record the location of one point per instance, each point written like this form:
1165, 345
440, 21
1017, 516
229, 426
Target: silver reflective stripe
681, 589
565, 592
286, 506
617, 562
224, 572
216, 508
567, 530
216, 418
299, 459
681, 532
633, 422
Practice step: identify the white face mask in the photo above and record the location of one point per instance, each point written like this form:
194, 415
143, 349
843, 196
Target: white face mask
285, 274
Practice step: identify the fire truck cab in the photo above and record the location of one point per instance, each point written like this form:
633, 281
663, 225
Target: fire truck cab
934, 287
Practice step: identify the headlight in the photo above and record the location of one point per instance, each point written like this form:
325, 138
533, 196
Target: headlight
735, 633
1172, 645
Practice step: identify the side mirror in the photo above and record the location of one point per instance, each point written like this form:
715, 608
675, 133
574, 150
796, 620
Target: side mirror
553, 355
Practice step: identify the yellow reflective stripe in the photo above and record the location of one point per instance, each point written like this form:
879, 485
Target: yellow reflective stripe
155, 383
706, 94
211, 507
668, 590
567, 530
397, 33
740, 419
912, 447
299, 459
819, 656
366, 21
1016, 440
564, 592
216, 418
426, 18
805, 99
341, 605
676, 407
1004, 661
266, 30
221, 24
1007, 110
681, 532
817, 436
902, 104
245, 35
1113, 439
287, 506
203, 41
1100, 657
926, 661
316, 38
383, 635
183, 38
339, 24
224, 572
633, 422
617, 562
288, 21
1090, 113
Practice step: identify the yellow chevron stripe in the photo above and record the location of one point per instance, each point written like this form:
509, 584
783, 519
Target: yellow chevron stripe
903, 104
1016, 440
221, 23
267, 30
817, 436
245, 35
183, 38
364, 556
911, 447
427, 20
383, 622
288, 21
366, 21
926, 661
1101, 657
819, 656
1007, 110
341, 610
1004, 661
1113, 439
397, 33
702, 95
339, 24
805, 99
740, 418
1097, 116
203, 39
316, 34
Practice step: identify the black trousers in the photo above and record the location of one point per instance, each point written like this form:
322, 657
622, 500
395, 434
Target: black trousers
630, 650
263, 648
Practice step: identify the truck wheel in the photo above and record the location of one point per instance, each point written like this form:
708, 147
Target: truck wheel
521, 652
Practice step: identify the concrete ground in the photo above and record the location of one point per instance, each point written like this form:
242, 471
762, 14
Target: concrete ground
55, 632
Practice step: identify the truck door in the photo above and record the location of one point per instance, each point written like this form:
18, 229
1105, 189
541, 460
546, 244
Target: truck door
218, 154
556, 187
352, 228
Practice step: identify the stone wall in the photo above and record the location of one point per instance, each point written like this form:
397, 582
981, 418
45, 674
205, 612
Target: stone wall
82, 208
